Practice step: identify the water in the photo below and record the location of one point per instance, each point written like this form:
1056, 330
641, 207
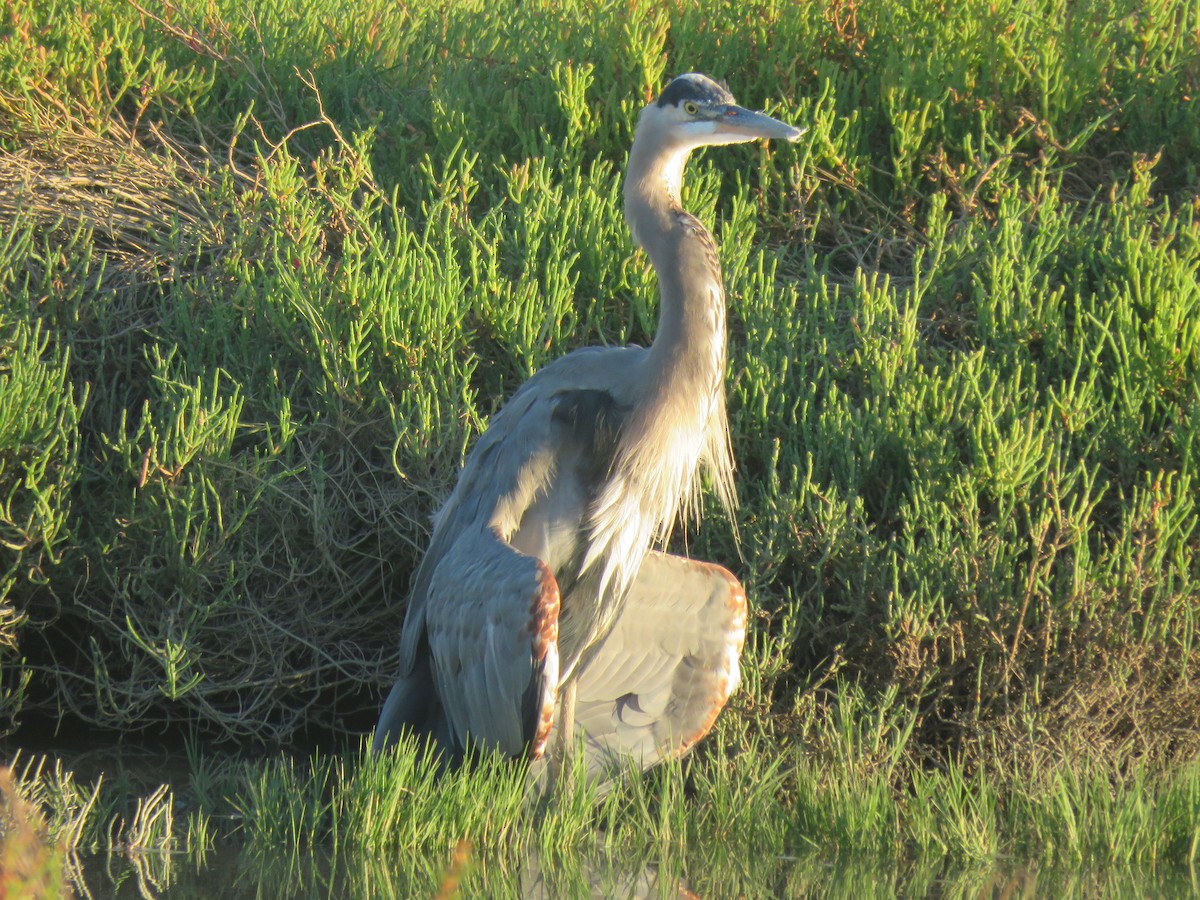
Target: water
234, 873
229, 872
225, 868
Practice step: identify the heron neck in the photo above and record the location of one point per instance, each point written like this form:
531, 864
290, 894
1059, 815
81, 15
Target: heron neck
690, 341
689, 345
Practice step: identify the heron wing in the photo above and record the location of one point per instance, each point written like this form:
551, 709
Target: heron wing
656, 684
483, 613
557, 424
492, 625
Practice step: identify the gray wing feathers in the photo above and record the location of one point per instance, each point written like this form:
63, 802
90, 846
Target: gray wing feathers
523, 451
491, 472
491, 617
657, 682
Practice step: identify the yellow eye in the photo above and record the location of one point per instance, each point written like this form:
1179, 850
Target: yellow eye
691, 108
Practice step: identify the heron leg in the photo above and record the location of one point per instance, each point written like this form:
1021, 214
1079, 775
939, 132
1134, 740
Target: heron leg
564, 744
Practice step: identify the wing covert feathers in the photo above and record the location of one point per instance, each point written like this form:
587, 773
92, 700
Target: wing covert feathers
657, 683
492, 624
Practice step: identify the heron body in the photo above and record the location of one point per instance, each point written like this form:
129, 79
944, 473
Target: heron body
540, 607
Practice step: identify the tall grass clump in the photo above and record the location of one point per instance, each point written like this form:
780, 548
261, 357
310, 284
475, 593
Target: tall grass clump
267, 269
748, 818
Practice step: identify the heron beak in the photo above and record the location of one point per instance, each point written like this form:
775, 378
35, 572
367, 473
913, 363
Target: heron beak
742, 121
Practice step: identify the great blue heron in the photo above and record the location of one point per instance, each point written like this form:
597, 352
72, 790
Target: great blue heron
540, 606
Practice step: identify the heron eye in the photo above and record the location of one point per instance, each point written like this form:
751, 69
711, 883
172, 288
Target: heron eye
691, 108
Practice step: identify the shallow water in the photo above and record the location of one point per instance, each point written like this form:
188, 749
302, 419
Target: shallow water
230, 872
237, 874
230, 869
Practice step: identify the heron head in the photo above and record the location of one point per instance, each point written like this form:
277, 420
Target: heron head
695, 111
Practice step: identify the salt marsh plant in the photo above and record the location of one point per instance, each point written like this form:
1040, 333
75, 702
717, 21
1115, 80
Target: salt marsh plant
265, 271
744, 819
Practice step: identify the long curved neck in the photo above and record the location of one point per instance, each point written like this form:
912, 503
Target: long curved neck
677, 415
690, 342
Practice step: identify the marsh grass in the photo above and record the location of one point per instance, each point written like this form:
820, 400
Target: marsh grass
746, 817
265, 272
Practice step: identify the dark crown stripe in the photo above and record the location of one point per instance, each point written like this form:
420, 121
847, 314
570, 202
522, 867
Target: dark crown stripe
698, 88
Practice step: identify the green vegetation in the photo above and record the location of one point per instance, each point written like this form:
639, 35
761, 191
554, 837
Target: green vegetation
747, 819
267, 268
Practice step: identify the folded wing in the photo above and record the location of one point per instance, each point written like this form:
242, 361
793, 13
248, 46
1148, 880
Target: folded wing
492, 623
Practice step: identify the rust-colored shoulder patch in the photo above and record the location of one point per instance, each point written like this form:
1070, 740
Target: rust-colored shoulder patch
543, 626
716, 702
726, 677
737, 598
543, 613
